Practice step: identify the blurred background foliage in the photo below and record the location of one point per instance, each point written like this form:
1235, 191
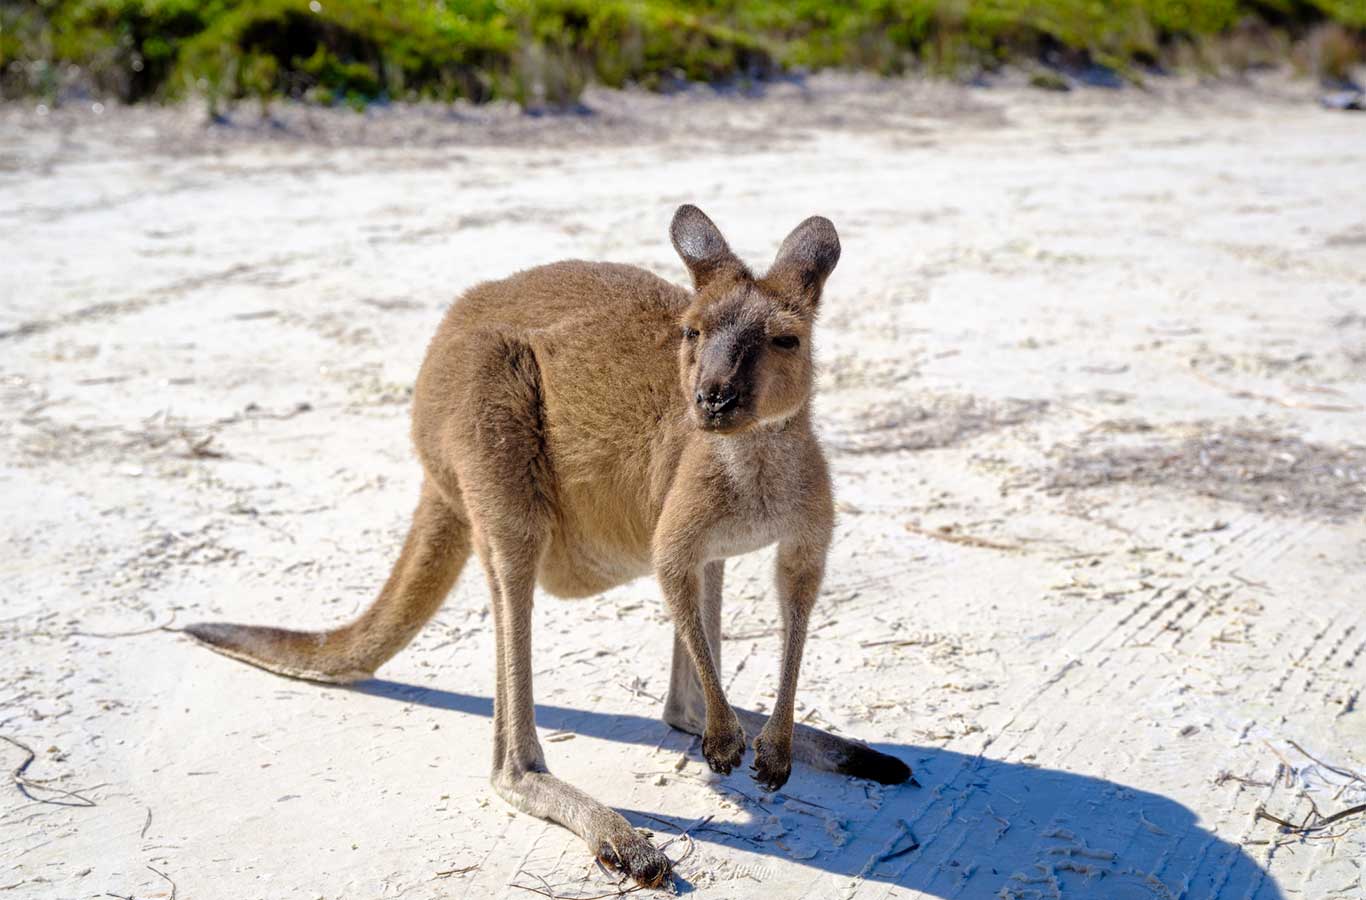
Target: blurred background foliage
544, 52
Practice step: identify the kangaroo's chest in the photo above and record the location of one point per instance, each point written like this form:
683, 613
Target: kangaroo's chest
735, 536
764, 498
604, 537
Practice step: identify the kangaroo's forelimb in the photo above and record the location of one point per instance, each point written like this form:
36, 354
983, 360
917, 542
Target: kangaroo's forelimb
685, 709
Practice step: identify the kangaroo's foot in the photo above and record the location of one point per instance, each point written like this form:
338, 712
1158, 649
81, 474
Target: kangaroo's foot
633, 855
608, 835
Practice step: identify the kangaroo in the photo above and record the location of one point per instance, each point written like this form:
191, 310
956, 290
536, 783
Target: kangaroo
583, 424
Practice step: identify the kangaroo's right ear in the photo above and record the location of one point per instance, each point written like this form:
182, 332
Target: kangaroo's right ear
700, 244
806, 259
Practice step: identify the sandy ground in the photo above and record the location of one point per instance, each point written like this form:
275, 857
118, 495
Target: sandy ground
1094, 388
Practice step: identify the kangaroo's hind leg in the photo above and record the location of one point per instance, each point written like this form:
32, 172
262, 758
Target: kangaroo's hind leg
509, 491
436, 548
520, 775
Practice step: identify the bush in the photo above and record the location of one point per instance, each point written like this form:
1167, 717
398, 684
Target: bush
541, 52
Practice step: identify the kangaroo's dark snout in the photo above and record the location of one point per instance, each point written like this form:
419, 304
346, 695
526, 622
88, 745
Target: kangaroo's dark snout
716, 399
724, 373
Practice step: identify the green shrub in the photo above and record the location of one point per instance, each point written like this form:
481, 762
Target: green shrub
543, 52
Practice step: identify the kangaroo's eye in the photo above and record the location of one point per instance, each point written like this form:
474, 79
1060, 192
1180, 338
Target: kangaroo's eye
689, 334
786, 341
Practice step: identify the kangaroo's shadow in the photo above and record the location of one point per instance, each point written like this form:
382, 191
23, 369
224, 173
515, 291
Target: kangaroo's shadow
979, 827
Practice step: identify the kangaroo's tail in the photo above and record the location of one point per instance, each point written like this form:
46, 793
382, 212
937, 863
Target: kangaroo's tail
437, 547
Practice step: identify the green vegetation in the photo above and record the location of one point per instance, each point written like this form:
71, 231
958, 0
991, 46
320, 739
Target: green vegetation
539, 52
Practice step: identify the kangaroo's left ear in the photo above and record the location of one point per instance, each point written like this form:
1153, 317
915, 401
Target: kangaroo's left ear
702, 248
805, 260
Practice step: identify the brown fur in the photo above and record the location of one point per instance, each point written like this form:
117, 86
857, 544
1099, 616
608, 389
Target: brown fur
583, 424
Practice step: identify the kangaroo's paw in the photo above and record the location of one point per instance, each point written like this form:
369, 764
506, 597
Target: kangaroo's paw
631, 853
772, 764
723, 750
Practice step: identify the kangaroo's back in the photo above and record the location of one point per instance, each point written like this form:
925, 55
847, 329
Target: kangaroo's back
562, 297
602, 342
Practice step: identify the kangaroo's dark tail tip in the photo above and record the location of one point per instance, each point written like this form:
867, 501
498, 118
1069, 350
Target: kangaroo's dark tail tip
865, 762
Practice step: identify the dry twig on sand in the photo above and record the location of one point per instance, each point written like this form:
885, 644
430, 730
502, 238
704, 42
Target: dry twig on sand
26, 784
168, 881
1345, 773
1314, 822
164, 626
967, 540
547, 892
1242, 394
896, 847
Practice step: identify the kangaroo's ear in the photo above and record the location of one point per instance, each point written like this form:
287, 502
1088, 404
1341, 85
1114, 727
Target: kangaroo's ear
700, 244
805, 260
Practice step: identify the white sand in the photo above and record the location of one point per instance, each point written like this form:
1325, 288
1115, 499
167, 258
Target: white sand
1097, 690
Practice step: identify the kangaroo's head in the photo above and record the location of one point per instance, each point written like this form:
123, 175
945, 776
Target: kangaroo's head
745, 356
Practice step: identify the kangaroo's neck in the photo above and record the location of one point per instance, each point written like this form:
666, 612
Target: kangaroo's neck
766, 453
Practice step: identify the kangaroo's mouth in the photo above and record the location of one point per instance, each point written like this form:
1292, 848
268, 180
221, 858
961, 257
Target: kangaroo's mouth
729, 422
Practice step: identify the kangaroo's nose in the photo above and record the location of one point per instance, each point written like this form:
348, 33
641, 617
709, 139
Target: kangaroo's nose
716, 399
